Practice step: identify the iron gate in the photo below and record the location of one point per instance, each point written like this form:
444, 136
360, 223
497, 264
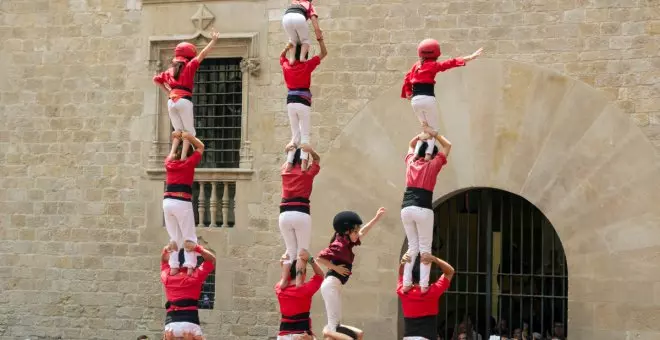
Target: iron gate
511, 272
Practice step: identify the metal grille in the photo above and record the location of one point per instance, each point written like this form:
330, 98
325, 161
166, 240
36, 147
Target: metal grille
511, 272
207, 295
218, 99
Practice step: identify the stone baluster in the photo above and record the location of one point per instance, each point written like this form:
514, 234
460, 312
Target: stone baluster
214, 204
225, 205
201, 205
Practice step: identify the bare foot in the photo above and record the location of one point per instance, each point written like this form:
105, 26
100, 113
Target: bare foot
288, 168
425, 289
174, 271
304, 165
406, 289
190, 271
427, 157
284, 283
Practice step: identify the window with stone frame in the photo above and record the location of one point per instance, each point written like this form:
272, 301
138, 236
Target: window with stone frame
218, 108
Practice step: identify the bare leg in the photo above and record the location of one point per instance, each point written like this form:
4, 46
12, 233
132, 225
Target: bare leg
301, 266
175, 145
303, 52
184, 150
284, 280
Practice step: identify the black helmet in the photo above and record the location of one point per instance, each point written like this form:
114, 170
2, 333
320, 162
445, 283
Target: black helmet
345, 221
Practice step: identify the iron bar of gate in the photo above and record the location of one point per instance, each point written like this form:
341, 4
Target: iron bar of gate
485, 195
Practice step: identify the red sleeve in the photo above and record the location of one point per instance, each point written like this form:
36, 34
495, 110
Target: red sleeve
409, 157
332, 252
439, 161
314, 169
441, 285
203, 271
311, 12
310, 288
313, 63
284, 60
406, 90
441, 66
159, 78
164, 271
194, 159
193, 65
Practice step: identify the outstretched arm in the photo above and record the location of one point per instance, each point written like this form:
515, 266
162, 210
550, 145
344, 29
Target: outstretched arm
365, 229
473, 55
214, 38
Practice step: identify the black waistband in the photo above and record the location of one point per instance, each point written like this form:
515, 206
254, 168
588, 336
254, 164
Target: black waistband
191, 316
301, 89
296, 323
295, 199
343, 330
294, 98
181, 303
299, 208
421, 89
187, 97
417, 197
425, 326
170, 197
296, 8
179, 87
179, 188
341, 278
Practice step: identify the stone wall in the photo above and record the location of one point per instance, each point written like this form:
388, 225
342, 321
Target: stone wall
78, 257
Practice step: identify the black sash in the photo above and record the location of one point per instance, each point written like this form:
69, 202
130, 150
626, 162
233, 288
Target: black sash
300, 208
425, 326
296, 200
343, 279
191, 316
417, 197
179, 87
297, 323
421, 89
179, 188
297, 8
343, 330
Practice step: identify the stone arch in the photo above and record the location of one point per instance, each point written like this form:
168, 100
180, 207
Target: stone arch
548, 138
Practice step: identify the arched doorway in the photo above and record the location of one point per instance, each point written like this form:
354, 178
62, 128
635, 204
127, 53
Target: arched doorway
511, 270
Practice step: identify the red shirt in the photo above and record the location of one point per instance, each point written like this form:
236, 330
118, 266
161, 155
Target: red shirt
186, 77
421, 173
297, 183
308, 7
182, 172
183, 286
299, 74
296, 300
415, 304
425, 73
340, 250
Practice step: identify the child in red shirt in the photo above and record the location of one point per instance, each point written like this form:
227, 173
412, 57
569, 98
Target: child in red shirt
294, 22
338, 258
298, 78
419, 83
178, 82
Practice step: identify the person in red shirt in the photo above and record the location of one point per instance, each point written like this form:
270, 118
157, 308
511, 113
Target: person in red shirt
182, 291
295, 221
419, 83
417, 206
294, 22
420, 309
296, 302
338, 258
298, 78
177, 199
178, 82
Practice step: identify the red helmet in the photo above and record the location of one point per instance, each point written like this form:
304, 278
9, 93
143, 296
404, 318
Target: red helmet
186, 50
428, 48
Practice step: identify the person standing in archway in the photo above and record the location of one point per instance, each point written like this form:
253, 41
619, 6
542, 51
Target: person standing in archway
420, 309
417, 207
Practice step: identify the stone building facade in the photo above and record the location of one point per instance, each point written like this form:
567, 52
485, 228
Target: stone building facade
563, 110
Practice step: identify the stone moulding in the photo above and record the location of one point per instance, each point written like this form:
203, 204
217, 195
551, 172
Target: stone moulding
208, 175
156, 2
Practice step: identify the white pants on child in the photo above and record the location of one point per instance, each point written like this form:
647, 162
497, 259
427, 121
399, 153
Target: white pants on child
183, 327
296, 230
295, 25
290, 337
426, 109
181, 115
415, 338
300, 126
331, 292
418, 224
180, 224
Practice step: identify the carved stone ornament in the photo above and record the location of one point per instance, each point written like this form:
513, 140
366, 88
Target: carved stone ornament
250, 66
202, 18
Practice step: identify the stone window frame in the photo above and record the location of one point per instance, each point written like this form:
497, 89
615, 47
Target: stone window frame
244, 45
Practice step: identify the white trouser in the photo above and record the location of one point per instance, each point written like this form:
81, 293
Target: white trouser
300, 126
415, 338
331, 292
426, 109
296, 230
181, 115
183, 327
290, 337
180, 224
295, 25
418, 224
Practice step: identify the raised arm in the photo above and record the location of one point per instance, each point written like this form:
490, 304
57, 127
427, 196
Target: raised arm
324, 50
286, 49
199, 146
214, 38
315, 156
365, 229
444, 142
317, 269
447, 270
413, 143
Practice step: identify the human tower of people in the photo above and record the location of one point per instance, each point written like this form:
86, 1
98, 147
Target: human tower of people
183, 279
